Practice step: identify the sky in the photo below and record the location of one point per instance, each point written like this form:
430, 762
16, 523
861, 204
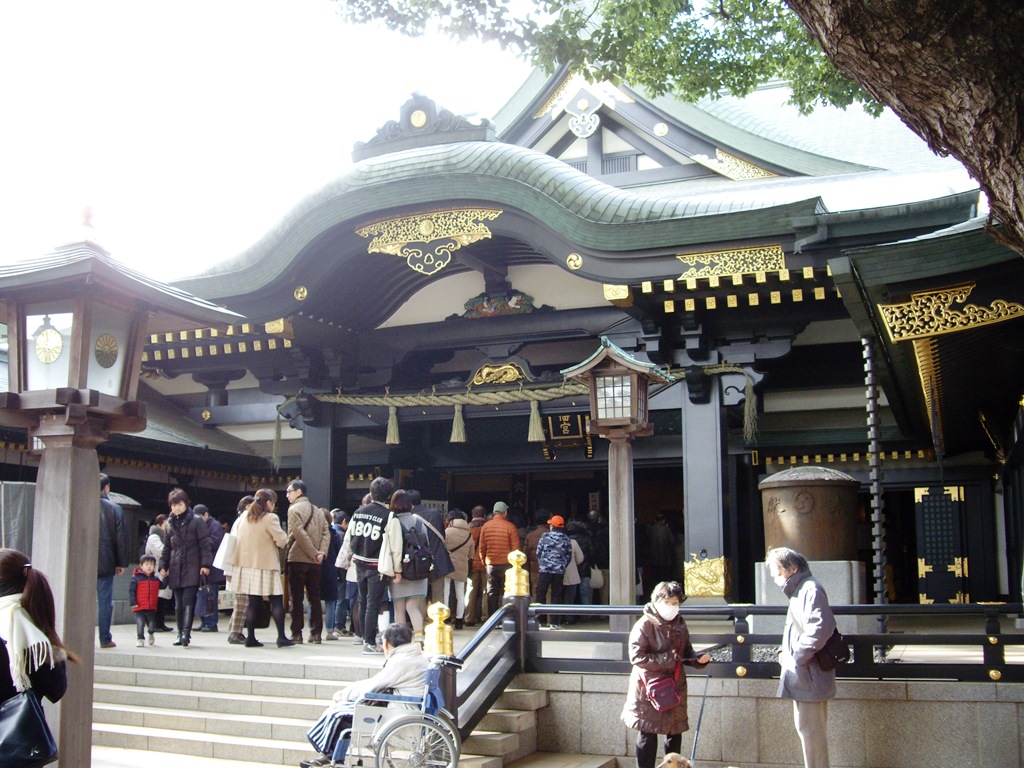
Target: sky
190, 128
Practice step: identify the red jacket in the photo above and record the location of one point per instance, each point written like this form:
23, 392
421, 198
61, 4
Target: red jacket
143, 591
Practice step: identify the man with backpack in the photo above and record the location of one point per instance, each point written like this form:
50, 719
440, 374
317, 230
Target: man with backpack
554, 551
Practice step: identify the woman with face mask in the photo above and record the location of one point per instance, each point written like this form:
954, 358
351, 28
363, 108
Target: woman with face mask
659, 644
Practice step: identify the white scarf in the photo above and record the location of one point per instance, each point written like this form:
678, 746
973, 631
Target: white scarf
27, 647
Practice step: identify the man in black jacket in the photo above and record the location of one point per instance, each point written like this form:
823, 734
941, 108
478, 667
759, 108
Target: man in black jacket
113, 558
366, 532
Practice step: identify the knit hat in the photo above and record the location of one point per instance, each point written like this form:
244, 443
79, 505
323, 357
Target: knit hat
500, 508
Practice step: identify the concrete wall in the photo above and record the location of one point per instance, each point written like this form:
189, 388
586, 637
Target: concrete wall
871, 724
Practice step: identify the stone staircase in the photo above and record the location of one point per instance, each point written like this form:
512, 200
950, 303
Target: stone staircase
256, 705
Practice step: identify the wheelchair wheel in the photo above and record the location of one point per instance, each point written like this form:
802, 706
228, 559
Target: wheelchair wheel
415, 741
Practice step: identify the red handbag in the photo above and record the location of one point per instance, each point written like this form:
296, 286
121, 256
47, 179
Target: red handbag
660, 689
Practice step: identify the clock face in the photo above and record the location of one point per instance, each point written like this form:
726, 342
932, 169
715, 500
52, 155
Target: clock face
105, 350
49, 344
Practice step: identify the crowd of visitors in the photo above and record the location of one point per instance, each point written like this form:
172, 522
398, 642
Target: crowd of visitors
348, 573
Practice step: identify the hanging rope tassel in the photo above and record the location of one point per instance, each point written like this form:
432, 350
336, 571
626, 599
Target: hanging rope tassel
458, 426
536, 433
392, 438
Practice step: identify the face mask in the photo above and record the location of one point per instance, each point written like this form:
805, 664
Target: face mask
666, 611
780, 580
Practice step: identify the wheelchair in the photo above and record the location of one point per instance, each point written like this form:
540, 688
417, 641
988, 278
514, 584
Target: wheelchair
383, 736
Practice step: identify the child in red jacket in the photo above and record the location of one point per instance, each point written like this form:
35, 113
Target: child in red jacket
143, 592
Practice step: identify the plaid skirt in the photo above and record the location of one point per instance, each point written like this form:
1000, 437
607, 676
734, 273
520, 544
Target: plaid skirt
256, 581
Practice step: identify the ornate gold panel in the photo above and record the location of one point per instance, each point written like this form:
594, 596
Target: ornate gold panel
741, 261
499, 374
439, 232
732, 167
931, 313
708, 577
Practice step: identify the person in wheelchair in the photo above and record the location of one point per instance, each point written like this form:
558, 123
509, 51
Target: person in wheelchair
404, 672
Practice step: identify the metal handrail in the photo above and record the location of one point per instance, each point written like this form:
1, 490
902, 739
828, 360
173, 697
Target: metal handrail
740, 653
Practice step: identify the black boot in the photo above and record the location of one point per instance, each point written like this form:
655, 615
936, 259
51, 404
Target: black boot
186, 632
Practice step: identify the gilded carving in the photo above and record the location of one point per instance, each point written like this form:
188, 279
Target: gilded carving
732, 167
616, 292
741, 261
922, 568
506, 373
705, 577
574, 261
958, 567
483, 305
300, 293
426, 241
931, 313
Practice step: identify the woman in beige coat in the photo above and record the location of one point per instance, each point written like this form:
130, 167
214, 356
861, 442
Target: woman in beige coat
257, 564
462, 548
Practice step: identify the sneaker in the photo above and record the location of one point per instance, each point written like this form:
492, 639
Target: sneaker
357, 640
152, 639
140, 643
372, 650
111, 644
207, 628
236, 638
346, 633
317, 763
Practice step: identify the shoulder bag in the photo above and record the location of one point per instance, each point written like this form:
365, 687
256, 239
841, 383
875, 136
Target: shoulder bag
836, 651
25, 738
660, 689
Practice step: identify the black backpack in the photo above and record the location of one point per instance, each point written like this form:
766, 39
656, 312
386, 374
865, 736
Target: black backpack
416, 559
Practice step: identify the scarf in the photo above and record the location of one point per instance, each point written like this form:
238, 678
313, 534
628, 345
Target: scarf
27, 647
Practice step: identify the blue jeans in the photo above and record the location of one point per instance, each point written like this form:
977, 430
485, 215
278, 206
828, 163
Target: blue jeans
104, 607
330, 609
347, 600
201, 607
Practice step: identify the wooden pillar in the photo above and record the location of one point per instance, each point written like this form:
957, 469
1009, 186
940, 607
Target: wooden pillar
65, 548
703, 451
325, 464
622, 574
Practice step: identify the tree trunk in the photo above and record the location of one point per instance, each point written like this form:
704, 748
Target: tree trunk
953, 70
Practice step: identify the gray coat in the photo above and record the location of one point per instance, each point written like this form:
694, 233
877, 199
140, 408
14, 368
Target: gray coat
809, 623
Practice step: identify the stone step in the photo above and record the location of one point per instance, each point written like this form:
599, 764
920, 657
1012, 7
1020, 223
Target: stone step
522, 698
251, 726
273, 751
491, 743
115, 757
559, 760
255, 685
508, 720
207, 701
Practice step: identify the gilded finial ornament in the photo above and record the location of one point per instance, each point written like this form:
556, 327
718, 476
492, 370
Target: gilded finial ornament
105, 350
426, 241
206, 414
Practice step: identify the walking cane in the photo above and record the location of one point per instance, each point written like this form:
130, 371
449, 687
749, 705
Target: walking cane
700, 717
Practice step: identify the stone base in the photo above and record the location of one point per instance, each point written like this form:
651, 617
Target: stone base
843, 580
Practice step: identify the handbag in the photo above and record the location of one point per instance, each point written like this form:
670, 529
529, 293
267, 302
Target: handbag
25, 738
596, 578
836, 651
661, 690
262, 613
225, 552
206, 606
